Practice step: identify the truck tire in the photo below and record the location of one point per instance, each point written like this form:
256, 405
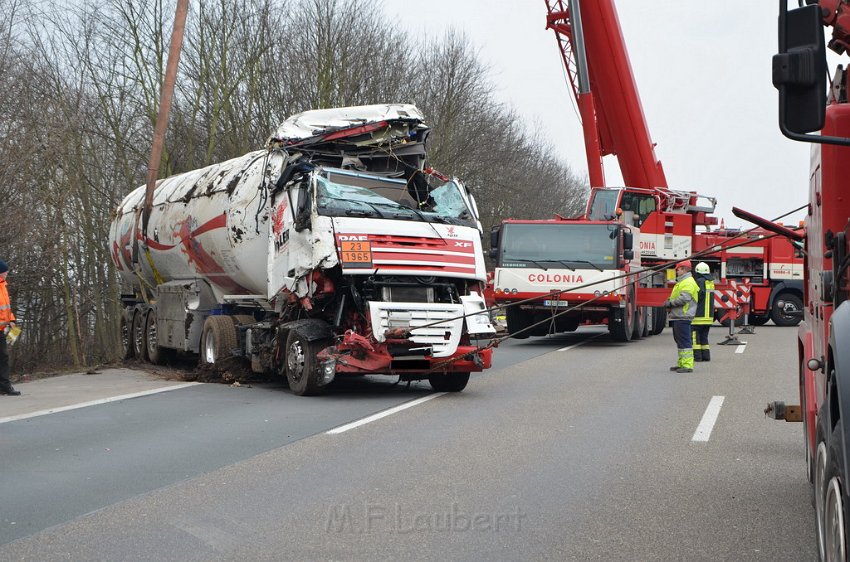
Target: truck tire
138, 335
449, 382
126, 334
621, 322
518, 320
302, 365
639, 323
649, 324
834, 512
819, 489
157, 354
218, 340
659, 320
780, 314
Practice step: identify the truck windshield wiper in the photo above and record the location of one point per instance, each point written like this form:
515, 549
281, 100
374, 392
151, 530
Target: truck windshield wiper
591, 264
537, 263
562, 262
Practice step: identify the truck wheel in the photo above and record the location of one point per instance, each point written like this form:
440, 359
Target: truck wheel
218, 340
819, 492
518, 320
640, 323
449, 382
834, 520
784, 315
302, 365
659, 320
649, 324
138, 335
621, 322
126, 332
157, 354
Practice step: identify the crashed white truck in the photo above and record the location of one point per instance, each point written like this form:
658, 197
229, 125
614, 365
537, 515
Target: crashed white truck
334, 251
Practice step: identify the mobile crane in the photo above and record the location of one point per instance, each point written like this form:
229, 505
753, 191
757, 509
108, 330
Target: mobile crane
645, 216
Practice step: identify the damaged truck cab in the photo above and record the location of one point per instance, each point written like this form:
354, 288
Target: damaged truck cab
334, 251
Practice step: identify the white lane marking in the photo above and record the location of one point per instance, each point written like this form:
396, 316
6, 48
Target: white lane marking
741, 348
579, 343
96, 402
385, 413
706, 425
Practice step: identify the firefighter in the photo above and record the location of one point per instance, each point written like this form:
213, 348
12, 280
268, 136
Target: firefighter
682, 308
7, 321
704, 313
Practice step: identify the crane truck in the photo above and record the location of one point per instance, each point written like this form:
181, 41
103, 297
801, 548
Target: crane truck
809, 102
644, 225
771, 265
334, 251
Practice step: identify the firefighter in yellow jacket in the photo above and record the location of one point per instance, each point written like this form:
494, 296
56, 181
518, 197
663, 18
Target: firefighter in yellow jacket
7, 321
682, 308
704, 318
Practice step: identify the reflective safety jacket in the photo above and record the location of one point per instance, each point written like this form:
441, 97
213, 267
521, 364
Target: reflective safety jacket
705, 301
6, 314
683, 299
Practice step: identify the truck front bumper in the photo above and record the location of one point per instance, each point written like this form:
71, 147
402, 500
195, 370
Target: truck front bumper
386, 359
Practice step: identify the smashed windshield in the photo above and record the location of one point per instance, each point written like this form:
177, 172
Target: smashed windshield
342, 193
603, 207
559, 246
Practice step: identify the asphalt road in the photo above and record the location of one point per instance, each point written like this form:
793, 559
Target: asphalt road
561, 452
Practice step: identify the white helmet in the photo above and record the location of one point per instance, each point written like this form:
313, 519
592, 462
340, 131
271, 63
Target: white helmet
702, 268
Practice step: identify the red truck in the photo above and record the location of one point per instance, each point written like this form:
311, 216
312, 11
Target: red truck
771, 265
808, 102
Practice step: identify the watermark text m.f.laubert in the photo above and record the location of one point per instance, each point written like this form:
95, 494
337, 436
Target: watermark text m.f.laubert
375, 517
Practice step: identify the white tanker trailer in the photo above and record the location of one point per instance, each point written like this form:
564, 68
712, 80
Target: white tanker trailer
334, 251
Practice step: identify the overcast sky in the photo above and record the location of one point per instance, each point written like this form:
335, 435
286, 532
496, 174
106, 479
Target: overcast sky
703, 71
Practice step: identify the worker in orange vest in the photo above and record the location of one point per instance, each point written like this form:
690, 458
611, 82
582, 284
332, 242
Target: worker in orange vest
7, 322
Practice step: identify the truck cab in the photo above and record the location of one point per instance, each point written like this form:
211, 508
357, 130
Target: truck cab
570, 272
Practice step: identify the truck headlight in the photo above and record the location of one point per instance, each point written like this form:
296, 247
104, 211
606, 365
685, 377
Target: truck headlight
327, 372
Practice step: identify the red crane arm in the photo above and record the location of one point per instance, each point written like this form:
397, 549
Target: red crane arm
612, 117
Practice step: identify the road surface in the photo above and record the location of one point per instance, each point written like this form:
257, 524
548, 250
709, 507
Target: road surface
571, 448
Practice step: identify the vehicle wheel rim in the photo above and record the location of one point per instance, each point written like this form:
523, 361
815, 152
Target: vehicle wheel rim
209, 349
139, 339
788, 311
152, 336
820, 475
295, 361
834, 521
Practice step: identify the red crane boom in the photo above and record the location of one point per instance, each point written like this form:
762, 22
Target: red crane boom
604, 86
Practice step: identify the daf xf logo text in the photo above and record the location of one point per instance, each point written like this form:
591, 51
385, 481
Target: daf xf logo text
346, 237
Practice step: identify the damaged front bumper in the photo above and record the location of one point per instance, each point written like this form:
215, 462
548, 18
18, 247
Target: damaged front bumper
357, 355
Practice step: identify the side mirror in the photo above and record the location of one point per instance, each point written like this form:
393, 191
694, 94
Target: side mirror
302, 208
628, 255
628, 241
800, 71
494, 239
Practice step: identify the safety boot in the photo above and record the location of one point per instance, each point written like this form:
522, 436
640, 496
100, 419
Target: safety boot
699, 355
706, 355
684, 370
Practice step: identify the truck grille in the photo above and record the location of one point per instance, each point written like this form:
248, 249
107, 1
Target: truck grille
444, 323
